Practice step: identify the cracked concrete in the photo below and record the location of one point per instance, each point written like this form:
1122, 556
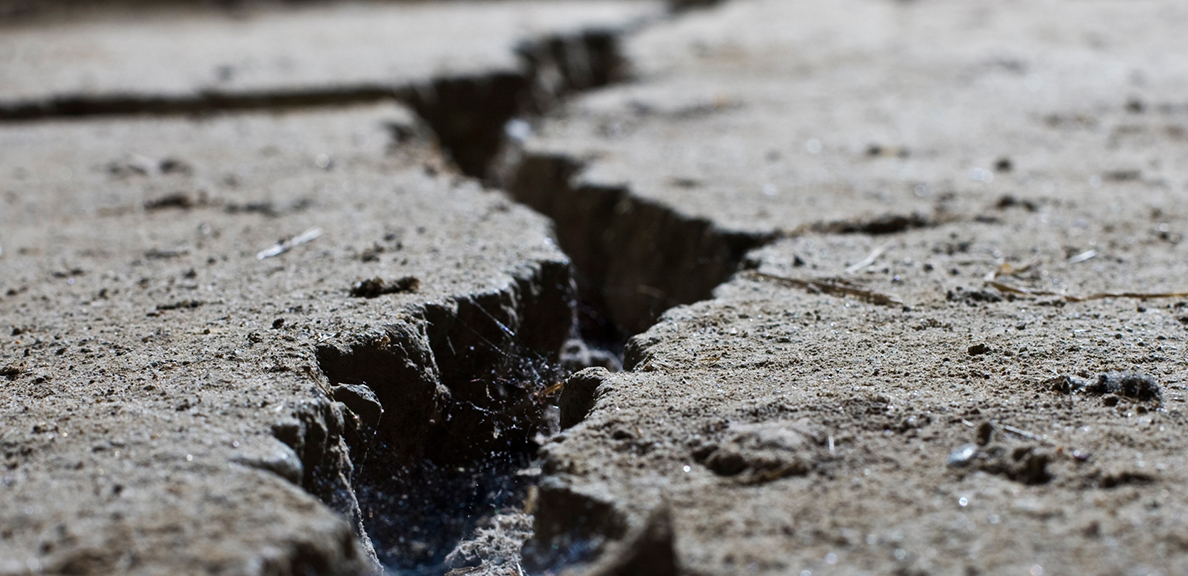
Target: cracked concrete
961, 207
926, 261
187, 54
852, 117
159, 366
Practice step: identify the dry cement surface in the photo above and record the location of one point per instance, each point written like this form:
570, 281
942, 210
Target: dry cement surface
938, 249
759, 119
336, 47
165, 334
901, 419
941, 360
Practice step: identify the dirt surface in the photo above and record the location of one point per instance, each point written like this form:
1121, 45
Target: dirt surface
330, 47
761, 119
931, 366
944, 439
163, 358
465, 67
906, 283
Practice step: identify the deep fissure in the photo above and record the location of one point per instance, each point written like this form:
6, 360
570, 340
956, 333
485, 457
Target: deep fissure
461, 395
465, 395
461, 386
444, 410
462, 390
434, 420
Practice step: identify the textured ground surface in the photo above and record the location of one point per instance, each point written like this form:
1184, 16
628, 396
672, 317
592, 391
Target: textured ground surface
157, 366
336, 47
906, 281
859, 399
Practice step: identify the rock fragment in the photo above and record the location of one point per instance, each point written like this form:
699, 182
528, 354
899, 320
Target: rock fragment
376, 287
1133, 385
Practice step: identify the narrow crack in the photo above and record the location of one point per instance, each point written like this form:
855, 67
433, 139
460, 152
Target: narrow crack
442, 483
445, 411
634, 258
467, 114
200, 103
427, 442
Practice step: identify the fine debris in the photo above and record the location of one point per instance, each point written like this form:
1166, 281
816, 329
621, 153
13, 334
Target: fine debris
376, 287
1132, 385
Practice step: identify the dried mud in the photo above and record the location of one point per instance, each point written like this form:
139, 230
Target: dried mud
904, 285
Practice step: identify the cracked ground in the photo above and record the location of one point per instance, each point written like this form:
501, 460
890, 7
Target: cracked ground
593, 287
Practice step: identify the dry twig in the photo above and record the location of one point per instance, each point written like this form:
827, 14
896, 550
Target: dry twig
1096, 296
286, 245
833, 287
874, 255
1005, 269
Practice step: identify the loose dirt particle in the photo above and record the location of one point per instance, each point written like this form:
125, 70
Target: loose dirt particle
179, 305
376, 287
1110, 385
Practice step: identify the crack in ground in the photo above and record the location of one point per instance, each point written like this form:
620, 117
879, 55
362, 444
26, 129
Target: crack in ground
427, 495
460, 388
467, 114
634, 258
434, 422
446, 411
442, 480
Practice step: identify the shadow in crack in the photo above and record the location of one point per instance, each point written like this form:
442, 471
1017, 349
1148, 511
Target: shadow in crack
474, 461
416, 515
440, 465
462, 392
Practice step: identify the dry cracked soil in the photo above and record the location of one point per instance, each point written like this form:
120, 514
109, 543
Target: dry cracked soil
593, 287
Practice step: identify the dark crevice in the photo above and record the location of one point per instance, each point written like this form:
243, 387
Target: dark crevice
634, 258
469, 116
200, 103
461, 385
881, 225
436, 419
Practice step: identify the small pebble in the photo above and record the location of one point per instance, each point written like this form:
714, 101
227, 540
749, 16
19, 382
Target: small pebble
962, 455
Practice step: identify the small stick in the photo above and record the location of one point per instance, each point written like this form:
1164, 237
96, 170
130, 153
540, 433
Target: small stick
870, 259
1083, 256
1097, 296
1020, 432
834, 288
286, 245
